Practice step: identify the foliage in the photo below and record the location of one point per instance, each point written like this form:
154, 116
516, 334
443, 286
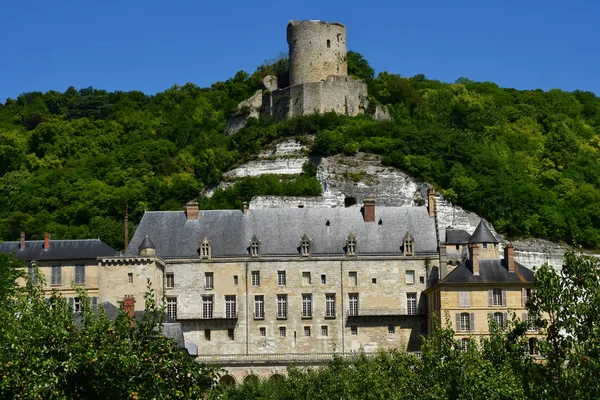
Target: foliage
47, 352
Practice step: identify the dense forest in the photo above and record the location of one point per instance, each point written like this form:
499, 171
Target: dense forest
527, 160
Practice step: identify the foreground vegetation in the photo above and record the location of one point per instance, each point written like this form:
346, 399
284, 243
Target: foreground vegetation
526, 160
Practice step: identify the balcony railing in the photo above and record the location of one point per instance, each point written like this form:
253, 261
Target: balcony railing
280, 357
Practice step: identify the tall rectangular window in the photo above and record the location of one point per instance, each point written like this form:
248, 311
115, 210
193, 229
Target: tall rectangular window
130, 277
231, 334
259, 307
353, 304
207, 334
307, 331
282, 331
255, 278
330, 305
281, 281
352, 277
263, 331
324, 330
465, 322
463, 298
77, 307
411, 303
306, 278
169, 281
323, 279
209, 280
56, 278
230, 310
497, 297
391, 329
282, 306
410, 277
306, 305
207, 307
172, 307
79, 274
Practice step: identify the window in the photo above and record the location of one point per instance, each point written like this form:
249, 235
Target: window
306, 278
352, 277
408, 245
170, 281
307, 331
330, 305
77, 304
231, 333
205, 249
530, 320
207, 307
421, 279
282, 306
351, 245
323, 279
533, 350
328, 43
411, 303
282, 331
281, 281
259, 307
305, 246
464, 344
306, 305
209, 280
391, 329
255, 278
79, 274
56, 278
354, 330
263, 331
230, 309
254, 247
172, 307
410, 277
374, 280
463, 298
94, 303
525, 296
207, 334
235, 279
465, 322
130, 277
499, 319
496, 297
324, 331
353, 304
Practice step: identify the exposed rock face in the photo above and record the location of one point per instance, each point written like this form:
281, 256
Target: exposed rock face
382, 113
249, 108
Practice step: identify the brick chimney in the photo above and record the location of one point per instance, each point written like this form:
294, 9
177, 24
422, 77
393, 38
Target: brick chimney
245, 207
129, 306
443, 270
22, 244
474, 256
509, 257
46, 241
431, 201
369, 209
191, 210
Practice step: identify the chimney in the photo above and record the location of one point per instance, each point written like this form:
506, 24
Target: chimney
443, 271
509, 257
431, 201
22, 245
46, 241
474, 256
129, 306
245, 207
369, 209
191, 210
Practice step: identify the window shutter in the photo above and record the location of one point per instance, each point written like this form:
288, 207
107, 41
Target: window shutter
504, 303
523, 296
504, 319
472, 320
457, 322
72, 303
94, 303
490, 317
490, 295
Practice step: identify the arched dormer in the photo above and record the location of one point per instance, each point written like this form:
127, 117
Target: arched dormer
305, 246
351, 245
409, 245
255, 246
205, 249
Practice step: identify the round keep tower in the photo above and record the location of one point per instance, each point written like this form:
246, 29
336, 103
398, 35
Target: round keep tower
317, 50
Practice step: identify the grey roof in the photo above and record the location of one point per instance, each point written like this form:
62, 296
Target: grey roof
147, 244
457, 236
280, 231
482, 234
490, 271
59, 249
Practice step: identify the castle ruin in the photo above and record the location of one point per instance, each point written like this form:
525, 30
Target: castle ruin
318, 76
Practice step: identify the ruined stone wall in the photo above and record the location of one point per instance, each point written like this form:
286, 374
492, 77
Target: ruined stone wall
317, 49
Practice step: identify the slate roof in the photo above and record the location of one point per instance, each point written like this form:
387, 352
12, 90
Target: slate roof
490, 271
482, 234
59, 249
280, 231
457, 236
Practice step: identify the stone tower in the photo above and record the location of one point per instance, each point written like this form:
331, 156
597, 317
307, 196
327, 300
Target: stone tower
317, 50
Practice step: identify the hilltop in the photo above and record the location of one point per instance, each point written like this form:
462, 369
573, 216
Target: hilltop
527, 161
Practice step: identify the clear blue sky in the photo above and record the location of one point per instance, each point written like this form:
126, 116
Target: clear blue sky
151, 45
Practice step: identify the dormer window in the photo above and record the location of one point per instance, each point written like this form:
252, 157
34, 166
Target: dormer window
205, 249
409, 243
254, 247
305, 246
351, 245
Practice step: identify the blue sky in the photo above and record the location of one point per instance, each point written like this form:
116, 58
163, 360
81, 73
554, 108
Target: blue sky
151, 45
